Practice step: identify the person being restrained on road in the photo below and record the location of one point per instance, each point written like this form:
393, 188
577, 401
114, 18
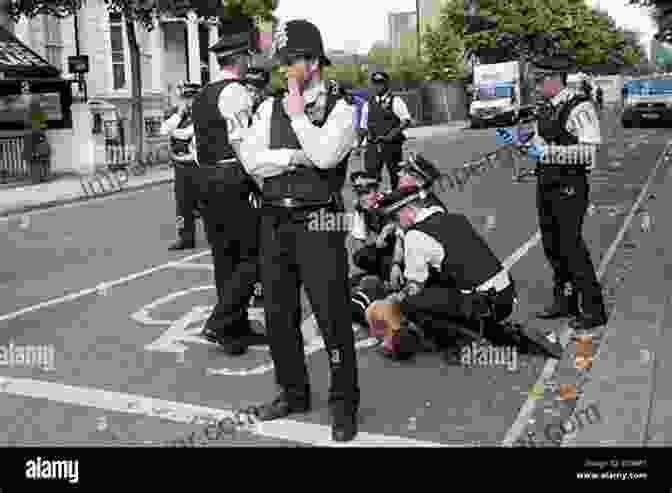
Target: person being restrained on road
451, 277
374, 241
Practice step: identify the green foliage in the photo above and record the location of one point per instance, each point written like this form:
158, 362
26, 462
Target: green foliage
352, 73
443, 52
529, 28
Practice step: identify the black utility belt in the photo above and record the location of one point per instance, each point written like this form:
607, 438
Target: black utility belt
562, 169
224, 163
190, 163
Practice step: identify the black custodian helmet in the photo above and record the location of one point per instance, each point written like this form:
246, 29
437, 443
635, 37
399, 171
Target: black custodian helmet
298, 38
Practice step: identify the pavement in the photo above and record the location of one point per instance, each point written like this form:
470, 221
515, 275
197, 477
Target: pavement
69, 189
116, 316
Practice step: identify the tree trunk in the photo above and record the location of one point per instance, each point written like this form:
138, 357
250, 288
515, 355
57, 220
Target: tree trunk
137, 122
4, 15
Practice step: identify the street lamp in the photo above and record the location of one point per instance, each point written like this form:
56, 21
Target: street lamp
417, 28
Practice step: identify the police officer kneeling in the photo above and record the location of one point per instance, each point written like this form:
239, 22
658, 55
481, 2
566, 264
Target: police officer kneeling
300, 146
451, 277
180, 127
222, 111
565, 146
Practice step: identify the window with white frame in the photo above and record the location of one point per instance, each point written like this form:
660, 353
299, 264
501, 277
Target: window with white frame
53, 40
118, 55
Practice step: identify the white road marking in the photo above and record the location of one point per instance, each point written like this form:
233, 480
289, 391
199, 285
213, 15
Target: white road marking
195, 266
519, 425
181, 412
101, 286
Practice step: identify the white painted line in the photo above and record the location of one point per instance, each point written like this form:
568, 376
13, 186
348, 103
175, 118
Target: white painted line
511, 260
100, 287
142, 316
195, 266
528, 408
181, 412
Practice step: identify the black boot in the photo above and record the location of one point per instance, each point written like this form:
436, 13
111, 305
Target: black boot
565, 303
344, 422
283, 405
183, 244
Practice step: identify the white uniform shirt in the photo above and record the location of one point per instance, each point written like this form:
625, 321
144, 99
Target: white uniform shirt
582, 122
421, 251
399, 108
325, 146
235, 105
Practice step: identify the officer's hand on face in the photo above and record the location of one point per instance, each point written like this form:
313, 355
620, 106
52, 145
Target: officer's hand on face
295, 80
504, 136
396, 277
536, 152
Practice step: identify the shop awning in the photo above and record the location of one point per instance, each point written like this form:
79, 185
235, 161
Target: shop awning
17, 61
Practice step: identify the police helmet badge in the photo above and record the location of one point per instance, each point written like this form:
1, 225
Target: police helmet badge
279, 38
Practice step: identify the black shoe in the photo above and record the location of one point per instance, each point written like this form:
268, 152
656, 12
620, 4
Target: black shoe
281, 407
182, 245
232, 346
403, 346
563, 306
344, 423
585, 323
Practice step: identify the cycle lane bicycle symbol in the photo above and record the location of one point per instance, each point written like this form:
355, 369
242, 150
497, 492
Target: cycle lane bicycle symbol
185, 330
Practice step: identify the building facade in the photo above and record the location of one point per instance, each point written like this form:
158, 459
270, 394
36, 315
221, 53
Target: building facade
175, 50
400, 24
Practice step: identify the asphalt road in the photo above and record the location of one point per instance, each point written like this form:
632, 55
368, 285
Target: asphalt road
128, 368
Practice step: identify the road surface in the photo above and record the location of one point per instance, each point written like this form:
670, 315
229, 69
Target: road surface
96, 284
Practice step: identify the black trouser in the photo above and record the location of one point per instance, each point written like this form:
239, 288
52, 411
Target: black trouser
187, 195
389, 154
436, 309
561, 203
232, 230
292, 255
375, 261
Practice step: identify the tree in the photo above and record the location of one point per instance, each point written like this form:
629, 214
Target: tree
530, 28
661, 13
145, 14
444, 51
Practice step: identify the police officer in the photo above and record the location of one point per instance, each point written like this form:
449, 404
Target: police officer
565, 146
221, 112
300, 145
451, 277
385, 116
257, 80
599, 98
179, 126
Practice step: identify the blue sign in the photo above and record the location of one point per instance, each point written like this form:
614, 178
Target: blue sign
649, 87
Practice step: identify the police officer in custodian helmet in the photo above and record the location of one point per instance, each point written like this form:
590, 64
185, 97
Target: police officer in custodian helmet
300, 146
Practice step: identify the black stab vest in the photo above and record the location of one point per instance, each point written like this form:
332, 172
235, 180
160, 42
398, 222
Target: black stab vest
308, 184
210, 127
468, 260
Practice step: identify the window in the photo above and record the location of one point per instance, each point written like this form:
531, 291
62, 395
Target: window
118, 60
53, 43
153, 126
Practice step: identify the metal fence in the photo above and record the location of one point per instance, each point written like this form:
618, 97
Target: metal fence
12, 165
